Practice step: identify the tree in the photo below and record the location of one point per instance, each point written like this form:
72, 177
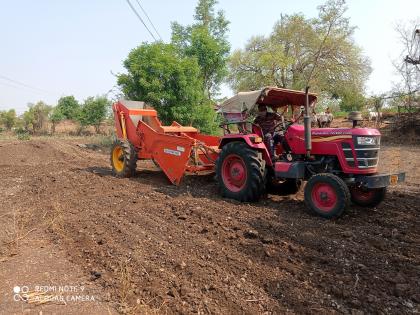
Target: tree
351, 100
207, 41
68, 106
8, 118
318, 52
36, 116
56, 116
408, 71
170, 82
93, 112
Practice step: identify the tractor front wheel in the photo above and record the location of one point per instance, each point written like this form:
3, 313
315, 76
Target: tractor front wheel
327, 195
123, 159
367, 197
240, 172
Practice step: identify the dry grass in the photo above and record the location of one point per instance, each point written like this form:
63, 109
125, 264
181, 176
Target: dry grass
125, 293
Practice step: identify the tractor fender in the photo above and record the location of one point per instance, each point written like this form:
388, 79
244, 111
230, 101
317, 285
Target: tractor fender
249, 140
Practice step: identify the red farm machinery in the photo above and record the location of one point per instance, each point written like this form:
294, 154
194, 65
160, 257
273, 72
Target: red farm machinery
339, 165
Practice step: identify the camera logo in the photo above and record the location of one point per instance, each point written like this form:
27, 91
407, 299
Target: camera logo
20, 293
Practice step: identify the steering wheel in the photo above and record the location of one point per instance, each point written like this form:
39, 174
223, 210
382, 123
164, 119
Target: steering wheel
282, 126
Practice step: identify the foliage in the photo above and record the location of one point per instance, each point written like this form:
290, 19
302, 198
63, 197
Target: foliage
352, 100
22, 134
56, 116
68, 107
8, 118
93, 112
206, 41
36, 116
170, 82
300, 51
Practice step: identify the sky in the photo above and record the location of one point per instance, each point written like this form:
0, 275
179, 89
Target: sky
53, 48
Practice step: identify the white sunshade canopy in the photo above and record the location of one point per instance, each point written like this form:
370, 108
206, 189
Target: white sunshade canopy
271, 96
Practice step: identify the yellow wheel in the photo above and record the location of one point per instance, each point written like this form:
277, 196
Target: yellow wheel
123, 159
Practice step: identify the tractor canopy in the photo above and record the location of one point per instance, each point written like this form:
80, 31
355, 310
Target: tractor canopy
246, 102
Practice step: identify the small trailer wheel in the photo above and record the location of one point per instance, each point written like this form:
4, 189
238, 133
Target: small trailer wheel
327, 195
367, 197
123, 159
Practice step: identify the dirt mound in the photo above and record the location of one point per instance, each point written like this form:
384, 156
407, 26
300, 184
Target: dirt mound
186, 250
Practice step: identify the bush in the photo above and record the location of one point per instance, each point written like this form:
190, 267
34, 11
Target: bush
22, 134
93, 112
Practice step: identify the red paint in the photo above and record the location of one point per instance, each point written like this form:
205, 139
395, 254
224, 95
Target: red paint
234, 173
281, 167
324, 197
247, 139
327, 145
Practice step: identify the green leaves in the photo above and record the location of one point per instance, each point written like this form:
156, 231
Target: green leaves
159, 75
8, 118
320, 51
36, 116
93, 111
68, 106
180, 79
206, 41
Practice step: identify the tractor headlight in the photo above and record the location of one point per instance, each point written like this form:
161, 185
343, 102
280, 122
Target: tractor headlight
368, 140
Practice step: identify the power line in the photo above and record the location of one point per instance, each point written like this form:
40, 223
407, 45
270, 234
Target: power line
144, 11
141, 20
24, 84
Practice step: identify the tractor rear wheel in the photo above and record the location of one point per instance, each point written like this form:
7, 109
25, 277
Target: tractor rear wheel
123, 159
327, 195
240, 172
367, 197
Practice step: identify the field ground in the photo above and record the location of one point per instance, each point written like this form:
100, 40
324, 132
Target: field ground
141, 245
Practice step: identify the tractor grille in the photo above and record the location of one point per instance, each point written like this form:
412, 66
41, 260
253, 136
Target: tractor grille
366, 155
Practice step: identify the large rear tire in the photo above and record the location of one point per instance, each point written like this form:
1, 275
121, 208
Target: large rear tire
240, 172
367, 197
123, 159
327, 195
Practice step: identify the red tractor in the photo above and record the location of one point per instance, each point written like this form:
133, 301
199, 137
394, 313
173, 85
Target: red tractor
338, 164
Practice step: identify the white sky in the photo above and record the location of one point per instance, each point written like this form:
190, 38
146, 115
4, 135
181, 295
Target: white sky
73, 47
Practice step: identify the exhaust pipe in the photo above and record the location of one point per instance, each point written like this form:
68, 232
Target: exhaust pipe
307, 124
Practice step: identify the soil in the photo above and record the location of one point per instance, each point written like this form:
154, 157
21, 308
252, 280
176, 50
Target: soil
145, 246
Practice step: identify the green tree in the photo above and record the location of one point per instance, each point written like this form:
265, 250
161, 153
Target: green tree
352, 100
93, 112
8, 118
205, 40
56, 116
170, 82
301, 51
68, 106
36, 117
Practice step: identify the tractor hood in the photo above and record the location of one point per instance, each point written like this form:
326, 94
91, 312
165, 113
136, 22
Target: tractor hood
271, 96
298, 130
